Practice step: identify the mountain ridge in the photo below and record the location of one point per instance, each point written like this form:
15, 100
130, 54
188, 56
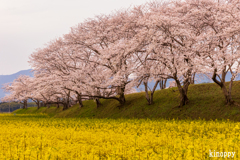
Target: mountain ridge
9, 78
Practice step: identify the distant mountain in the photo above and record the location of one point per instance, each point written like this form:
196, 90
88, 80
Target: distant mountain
9, 78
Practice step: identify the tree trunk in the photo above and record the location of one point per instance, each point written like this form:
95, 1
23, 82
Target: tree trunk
184, 98
192, 80
99, 104
25, 104
183, 92
227, 93
38, 104
150, 99
121, 98
146, 92
68, 100
43, 104
65, 106
162, 83
165, 83
80, 100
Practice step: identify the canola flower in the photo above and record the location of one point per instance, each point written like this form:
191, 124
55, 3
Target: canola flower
32, 137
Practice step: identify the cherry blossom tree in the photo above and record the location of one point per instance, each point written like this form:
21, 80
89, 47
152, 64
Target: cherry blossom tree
18, 90
170, 45
109, 41
52, 90
217, 24
146, 73
95, 56
76, 75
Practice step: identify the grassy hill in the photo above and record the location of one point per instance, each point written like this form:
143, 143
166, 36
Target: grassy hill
206, 102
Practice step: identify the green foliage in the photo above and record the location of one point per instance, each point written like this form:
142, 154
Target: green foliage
206, 101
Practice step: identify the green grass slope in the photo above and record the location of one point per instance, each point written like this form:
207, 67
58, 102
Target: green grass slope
206, 101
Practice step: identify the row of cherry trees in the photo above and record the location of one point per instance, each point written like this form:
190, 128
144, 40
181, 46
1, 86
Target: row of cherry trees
105, 57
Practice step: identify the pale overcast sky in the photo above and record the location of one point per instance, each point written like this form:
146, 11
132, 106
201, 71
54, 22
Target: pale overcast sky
26, 25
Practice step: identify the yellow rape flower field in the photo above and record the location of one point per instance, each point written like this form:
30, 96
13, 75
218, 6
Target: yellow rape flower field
40, 137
